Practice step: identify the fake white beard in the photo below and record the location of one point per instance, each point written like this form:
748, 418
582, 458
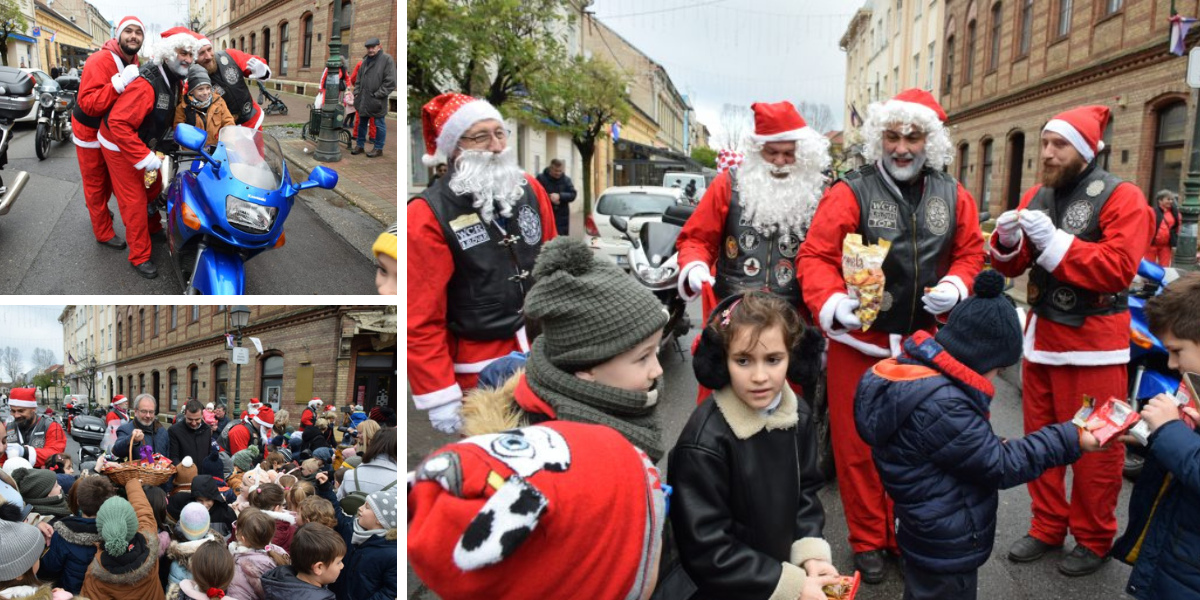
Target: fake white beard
775, 204
492, 179
906, 174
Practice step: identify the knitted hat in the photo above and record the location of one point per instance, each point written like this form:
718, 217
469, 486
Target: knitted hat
34, 484
983, 332
23, 545
387, 242
912, 107
207, 486
212, 466
324, 453
348, 452
353, 461
383, 503
1083, 127
22, 398
194, 521
279, 441
358, 408
126, 22
777, 122
12, 465
117, 523
589, 309
486, 523
244, 460
186, 471
446, 118
197, 76
119, 399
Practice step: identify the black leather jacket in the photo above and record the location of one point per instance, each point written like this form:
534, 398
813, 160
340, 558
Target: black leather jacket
739, 504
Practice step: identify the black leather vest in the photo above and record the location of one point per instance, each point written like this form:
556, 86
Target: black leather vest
922, 238
229, 83
158, 121
493, 267
36, 438
1077, 213
752, 260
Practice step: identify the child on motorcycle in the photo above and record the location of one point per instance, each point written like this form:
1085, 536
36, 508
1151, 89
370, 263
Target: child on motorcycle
201, 107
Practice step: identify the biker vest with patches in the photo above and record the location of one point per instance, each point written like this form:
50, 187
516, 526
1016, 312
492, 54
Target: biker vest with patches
922, 239
1077, 213
36, 438
157, 123
230, 84
752, 260
493, 266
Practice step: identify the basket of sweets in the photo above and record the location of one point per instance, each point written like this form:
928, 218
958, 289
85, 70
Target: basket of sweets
152, 469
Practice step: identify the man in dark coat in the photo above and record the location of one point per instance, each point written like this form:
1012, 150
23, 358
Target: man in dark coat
376, 81
190, 436
144, 429
562, 193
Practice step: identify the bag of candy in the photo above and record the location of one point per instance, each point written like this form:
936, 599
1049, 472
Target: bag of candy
862, 269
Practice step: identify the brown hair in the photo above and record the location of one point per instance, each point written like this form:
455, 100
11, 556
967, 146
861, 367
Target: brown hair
300, 490
255, 529
383, 444
315, 509
275, 459
27, 579
1177, 309
266, 496
315, 543
89, 493
366, 432
212, 566
756, 312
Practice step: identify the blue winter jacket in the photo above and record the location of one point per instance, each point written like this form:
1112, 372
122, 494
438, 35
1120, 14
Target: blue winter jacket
369, 569
925, 416
71, 551
1165, 509
160, 441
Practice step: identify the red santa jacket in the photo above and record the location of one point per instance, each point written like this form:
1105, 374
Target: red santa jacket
114, 415
820, 260
307, 419
119, 132
239, 438
1107, 266
56, 443
436, 356
96, 92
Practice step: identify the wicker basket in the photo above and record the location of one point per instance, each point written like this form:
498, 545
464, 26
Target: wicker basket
122, 474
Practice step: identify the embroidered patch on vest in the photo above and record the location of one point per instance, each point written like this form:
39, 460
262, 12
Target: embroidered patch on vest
229, 72
751, 267
937, 216
1063, 298
1094, 188
247, 107
748, 241
883, 214
731, 247
784, 272
530, 223
888, 300
1078, 214
163, 101
789, 244
470, 236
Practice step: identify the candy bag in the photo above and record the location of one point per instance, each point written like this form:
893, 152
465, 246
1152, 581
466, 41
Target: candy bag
862, 268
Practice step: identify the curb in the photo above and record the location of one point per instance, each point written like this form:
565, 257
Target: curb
350, 191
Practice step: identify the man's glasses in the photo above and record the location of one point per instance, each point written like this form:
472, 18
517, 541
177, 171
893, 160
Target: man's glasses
485, 137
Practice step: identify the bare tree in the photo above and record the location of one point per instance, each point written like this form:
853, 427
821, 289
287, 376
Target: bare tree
10, 363
818, 115
736, 122
43, 359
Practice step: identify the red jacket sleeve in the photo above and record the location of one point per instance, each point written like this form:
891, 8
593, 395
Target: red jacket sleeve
56, 443
241, 58
700, 239
96, 92
126, 117
239, 439
430, 367
306, 419
966, 259
354, 76
1106, 266
820, 257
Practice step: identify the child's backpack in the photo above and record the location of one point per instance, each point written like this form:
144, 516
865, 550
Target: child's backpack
354, 500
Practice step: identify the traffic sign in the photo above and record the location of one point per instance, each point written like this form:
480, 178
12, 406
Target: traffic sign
1193, 70
241, 356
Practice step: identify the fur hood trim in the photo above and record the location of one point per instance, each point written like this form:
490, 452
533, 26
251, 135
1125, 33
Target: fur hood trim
281, 516
148, 567
745, 421
392, 534
79, 538
492, 410
28, 592
182, 551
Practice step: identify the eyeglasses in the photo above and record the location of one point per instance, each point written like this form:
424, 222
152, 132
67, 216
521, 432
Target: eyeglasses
485, 137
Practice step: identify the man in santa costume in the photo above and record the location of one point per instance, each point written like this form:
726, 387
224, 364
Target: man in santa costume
30, 435
311, 413
251, 409
119, 412
139, 119
902, 196
753, 218
1081, 234
105, 75
472, 239
228, 70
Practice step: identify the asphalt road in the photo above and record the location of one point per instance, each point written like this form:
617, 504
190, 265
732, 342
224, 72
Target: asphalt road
47, 246
999, 579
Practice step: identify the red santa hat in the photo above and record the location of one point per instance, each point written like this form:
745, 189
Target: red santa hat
201, 40
1083, 127
119, 399
126, 22
487, 523
446, 118
777, 122
912, 107
265, 417
22, 398
163, 46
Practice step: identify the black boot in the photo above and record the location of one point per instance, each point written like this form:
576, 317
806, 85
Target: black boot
1029, 549
147, 270
114, 242
871, 565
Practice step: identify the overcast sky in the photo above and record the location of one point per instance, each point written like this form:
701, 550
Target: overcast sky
741, 51
163, 13
27, 328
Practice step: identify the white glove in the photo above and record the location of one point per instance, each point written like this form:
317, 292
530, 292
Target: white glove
844, 313
124, 77
941, 298
14, 450
1038, 227
258, 69
698, 276
151, 163
447, 418
1008, 229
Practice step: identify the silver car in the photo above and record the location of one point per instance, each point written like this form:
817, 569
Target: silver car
638, 204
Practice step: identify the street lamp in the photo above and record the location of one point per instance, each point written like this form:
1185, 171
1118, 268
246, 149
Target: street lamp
239, 317
328, 148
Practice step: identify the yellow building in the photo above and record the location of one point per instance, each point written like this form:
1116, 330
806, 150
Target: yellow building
60, 42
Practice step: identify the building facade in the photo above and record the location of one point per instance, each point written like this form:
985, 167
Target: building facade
89, 354
87, 17
1010, 65
63, 43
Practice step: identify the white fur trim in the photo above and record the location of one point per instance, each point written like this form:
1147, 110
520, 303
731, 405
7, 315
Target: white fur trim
684, 291
791, 583
1053, 255
141, 164
281, 516
1068, 131
861, 346
258, 123
432, 160
894, 340
262, 423
810, 548
523, 339
895, 108
993, 244
462, 120
83, 144
438, 398
23, 403
123, 400
475, 367
21, 591
828, 312
187, 462
107, 144
1076, 357
793, 135
745, 421
958, 284
118, 83
130, 20
31, 454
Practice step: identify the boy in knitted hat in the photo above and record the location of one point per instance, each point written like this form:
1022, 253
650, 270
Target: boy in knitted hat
925, 416
202, 107
371, 546
40, 490
73, 545
596, 360
127, 564
246, 459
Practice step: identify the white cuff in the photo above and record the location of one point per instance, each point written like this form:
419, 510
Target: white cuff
828, 313
31, 455
684, 292
141, 164
438, 398
994, 245
118, 83
1055, 250
958, 284
791, 583
810, 548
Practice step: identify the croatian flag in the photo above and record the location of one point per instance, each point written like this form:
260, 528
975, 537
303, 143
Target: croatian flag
1179, 30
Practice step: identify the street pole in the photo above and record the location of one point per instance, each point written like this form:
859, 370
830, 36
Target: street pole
328, 149
237, 390
1189, 211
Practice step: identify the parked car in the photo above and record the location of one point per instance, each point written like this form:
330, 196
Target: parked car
42, 83
637, 204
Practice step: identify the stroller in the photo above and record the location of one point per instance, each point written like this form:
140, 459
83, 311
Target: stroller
275, 107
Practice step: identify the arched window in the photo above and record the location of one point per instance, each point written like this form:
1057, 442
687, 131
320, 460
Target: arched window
963, 153
969, 66
949, 63
1064, 17
271, 390
1168, 147
307, 25
1026, 27
173, 389
283, 48
985, 175
118, 336
266, 43
141, 325
994, 55
221, 382
193, 382
253, 46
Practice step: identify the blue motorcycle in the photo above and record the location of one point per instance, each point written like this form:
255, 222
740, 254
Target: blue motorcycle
229, 206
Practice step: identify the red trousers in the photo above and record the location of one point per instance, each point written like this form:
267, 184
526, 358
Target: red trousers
132, 200
1051, 395
868, 509
1160, 255
97, 189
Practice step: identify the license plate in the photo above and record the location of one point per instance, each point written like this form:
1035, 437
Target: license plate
622, 261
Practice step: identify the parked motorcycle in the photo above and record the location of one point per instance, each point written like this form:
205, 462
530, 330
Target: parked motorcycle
654, 262
54, 115
17, 98
229, 206
88, 431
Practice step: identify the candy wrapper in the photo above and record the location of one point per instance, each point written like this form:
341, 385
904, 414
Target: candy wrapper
862, 268
843, 590
1106, 421
152, 176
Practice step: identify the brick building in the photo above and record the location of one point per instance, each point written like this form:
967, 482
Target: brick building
293, 36
337, 353
1010, 65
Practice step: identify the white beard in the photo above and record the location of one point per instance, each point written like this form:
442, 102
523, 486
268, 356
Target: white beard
908, 173
775, 204
492, 179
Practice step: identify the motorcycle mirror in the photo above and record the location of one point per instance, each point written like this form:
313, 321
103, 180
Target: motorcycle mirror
322, 177
190, 137
619, 223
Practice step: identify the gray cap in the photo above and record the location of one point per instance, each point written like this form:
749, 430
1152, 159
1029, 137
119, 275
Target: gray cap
197, 76
22, 546
372, 42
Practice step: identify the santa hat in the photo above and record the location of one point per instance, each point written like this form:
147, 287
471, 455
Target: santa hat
916, 108
22, 398
265, 417
777, 122
163, 47
446, 118
481, 520
1082, 127
728, 159
201, 41
315, 403
126, 22
119, 399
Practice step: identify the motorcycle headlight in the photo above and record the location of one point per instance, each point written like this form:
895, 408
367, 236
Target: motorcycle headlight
654, 275
46, 100
249, 217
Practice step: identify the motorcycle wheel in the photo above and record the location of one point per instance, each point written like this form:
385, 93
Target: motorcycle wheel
1133, 466
820, 416
41, 141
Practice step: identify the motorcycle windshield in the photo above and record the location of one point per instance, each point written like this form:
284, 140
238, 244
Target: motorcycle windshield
254, 156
